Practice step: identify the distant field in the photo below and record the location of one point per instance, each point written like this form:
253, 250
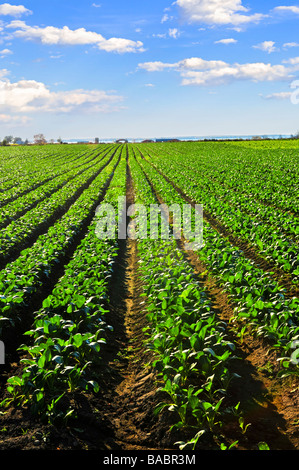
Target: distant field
139, 343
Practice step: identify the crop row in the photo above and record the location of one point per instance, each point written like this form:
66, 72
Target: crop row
70, 329
191, 351
18, 232
21, 205
26, 277
34, 169
269, 174
260, 302
231, 210
231, 186
15, 164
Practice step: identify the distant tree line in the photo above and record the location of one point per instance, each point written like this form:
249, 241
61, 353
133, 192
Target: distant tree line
38, 139
10, 139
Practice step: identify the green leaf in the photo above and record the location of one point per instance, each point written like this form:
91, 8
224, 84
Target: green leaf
259, 305
47, 303
15, 381
263, 446
78, 340
42, 361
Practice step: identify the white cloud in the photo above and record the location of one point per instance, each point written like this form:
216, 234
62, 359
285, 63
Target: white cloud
156, 66
13, 10
4, 73
27, 96
292, 61
226, 41
166, 18
5, 52
57, 56
266, 46
257, 72
14, 120
174, 33
290, 44
218, 12
160, 35
50, 35
196, 63
291, 9
283, 95
200, 72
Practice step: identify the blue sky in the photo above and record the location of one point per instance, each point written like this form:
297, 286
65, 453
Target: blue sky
112, 68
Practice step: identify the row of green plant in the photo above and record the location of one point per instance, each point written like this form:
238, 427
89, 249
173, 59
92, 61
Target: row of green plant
17, 233
261, 304
239, 214
24, 278
64, 354
190, 348
269, 173
27, 168
241, 185
21, 205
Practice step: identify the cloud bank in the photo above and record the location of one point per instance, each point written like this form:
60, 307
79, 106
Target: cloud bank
51, 35
6, 9
200, 72
218, 12
31, 96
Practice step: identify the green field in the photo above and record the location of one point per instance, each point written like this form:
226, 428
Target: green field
140, 343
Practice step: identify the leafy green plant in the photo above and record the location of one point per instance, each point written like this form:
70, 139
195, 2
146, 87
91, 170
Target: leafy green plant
69, 330
242, 424
263, 446
192, 443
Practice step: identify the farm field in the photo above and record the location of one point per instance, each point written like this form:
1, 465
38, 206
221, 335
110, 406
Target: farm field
138, 343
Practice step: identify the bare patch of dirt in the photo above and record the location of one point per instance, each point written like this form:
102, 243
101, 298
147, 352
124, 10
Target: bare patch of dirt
134, 398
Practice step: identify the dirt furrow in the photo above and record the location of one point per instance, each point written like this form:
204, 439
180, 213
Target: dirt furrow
134, 395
